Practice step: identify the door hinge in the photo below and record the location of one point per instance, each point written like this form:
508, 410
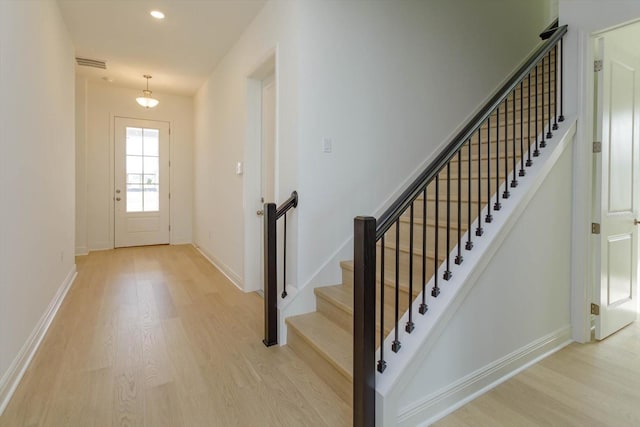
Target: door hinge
169, 196
595, 309
595, 228
597, 147
169, 228
597, 65
170, 128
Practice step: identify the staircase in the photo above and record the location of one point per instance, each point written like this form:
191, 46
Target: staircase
431, 228
324, 338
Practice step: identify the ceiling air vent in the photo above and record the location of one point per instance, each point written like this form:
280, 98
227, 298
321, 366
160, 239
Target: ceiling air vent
95, 63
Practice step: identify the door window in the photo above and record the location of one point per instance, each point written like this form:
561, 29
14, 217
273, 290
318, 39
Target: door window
143, 169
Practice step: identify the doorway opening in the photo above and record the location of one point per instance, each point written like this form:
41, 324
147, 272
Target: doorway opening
260, 164
616, 179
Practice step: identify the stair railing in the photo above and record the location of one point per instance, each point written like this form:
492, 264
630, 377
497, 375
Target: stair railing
271, 216
497, 146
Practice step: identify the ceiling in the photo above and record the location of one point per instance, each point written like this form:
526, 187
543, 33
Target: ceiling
180, 51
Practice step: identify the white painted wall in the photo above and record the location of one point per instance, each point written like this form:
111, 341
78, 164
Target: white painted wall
584, 18
390, 83
387, 81
102, 102
37, 172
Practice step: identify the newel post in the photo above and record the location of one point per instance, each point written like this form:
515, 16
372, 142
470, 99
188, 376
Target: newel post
364, 322
270, 276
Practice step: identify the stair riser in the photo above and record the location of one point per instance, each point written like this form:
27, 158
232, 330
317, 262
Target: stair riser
403, 289
323, 368
344, 319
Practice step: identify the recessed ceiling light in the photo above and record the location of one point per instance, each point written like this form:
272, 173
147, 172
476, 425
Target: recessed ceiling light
157, 14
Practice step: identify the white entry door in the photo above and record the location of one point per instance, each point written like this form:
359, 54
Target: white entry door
617, 196
141, 182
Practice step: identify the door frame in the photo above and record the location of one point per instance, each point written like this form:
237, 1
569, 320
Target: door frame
252, 182
112, 175
586, 21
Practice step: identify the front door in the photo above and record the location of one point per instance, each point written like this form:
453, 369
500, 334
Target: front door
141, 182
617, 196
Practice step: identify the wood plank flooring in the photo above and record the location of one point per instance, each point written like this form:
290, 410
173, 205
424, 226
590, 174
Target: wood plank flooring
156, 336
586, 385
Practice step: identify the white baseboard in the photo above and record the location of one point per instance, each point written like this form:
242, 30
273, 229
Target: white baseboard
10, 380
82, 250
448, 399
224, 269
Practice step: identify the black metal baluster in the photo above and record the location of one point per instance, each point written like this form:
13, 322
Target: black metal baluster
529, 161
423, 306
542, 141
549, 134
489, 217
469, 245
382, 365
514, 181
555, 88
395, 346
409, 326
506, 194
521, 173
561, 88
284, 260
459, 258
436, 290
497, 205
479, 230
536, 152
447, 274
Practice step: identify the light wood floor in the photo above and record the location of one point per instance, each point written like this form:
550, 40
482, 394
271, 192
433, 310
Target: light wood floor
156, 336
595, 384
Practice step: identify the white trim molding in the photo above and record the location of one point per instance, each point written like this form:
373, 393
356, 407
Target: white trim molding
461, 392
224, 269
10, 380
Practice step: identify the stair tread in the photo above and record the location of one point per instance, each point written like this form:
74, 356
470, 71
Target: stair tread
327, 338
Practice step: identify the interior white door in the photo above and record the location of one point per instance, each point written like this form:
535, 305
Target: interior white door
617, 129
141, 182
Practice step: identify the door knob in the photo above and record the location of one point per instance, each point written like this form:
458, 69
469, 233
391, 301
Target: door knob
260, 212
635, 221
117, 191
117, 199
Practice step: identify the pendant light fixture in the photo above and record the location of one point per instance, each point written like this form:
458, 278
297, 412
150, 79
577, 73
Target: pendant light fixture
147, 101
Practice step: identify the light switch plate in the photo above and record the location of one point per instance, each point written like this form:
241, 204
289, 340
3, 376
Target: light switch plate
327, 145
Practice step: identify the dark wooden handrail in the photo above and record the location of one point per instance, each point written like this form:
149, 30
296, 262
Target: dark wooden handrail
291, 202
398, 207
271, 216
548, 32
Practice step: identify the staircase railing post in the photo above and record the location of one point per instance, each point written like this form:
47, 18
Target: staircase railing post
270, 276
364, 322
